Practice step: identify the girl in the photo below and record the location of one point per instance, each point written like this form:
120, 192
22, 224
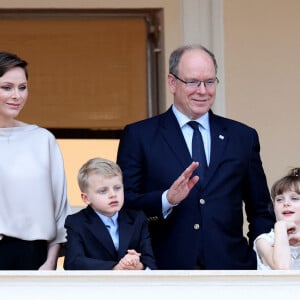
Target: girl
280, 248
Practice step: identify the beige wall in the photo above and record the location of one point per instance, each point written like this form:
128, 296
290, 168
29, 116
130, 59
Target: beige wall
260, 75
262, 72
76, 152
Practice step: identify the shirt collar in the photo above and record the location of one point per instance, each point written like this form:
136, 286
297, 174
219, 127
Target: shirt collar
183, 119
107, 220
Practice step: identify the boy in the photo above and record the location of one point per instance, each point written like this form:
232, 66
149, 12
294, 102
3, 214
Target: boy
103, 236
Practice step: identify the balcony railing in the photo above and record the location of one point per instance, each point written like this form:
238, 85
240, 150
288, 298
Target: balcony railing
143, 285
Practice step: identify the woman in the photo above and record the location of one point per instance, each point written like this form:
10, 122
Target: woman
33, 198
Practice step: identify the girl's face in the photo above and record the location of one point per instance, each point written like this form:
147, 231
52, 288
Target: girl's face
13, 95
287, 207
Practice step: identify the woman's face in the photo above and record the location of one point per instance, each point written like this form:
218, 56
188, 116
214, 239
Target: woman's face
13, 95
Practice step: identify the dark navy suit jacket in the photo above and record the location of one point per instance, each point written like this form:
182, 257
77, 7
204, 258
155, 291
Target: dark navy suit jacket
207, 227
90, 247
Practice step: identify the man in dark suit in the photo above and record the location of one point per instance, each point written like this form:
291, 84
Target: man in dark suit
105, 236
196, 208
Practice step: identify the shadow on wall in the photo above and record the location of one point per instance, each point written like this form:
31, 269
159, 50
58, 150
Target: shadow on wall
76, 152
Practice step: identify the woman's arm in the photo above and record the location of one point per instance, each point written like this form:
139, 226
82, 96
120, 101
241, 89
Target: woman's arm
52, 257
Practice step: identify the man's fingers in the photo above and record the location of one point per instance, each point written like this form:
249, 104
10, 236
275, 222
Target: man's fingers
190, 169
192, 182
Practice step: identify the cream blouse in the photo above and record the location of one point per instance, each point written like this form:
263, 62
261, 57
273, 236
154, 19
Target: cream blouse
33, 193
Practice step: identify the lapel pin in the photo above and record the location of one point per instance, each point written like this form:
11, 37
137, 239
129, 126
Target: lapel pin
221, 137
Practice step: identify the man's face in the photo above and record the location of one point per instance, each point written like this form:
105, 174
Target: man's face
194, 65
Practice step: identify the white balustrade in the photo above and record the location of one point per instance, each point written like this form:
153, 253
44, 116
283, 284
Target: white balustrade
143, 285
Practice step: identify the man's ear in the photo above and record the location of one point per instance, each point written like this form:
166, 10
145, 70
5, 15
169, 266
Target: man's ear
85, 198
172, 83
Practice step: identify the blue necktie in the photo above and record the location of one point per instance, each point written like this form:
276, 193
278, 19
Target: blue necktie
113, 231
198, 152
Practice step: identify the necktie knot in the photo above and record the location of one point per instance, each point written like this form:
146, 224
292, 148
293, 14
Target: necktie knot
194, 125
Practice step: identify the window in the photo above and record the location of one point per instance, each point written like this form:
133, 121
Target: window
90, 72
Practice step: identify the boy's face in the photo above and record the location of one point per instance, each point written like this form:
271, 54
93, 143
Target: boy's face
104, 194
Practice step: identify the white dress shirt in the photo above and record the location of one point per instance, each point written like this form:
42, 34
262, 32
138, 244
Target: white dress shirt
187, 132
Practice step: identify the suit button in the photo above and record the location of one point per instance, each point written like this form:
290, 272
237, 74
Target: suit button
196, 226
202, 201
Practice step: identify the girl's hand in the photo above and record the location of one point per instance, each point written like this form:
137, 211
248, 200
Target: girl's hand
294, 236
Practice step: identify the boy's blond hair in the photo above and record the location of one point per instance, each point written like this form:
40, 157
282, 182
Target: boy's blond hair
97, 165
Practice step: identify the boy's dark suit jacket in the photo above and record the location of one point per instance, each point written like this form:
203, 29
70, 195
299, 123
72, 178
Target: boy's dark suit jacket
90, 247
208, 224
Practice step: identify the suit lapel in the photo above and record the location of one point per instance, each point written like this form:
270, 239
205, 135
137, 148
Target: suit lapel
170, 130
174, 138
126, 228
99, 230
219, 140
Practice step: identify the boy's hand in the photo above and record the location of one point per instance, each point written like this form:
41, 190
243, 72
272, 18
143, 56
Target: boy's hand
131, 261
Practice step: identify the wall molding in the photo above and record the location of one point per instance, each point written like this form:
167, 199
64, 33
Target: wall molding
203, 23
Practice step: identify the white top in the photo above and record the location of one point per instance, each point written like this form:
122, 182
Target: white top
187, 131
295, 253
33, 194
